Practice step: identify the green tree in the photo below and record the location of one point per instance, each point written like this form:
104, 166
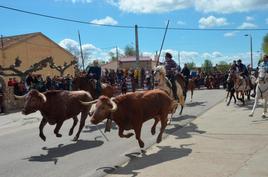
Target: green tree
207, 66
191, 65
112, 56
223, 66
265, 44
129, 51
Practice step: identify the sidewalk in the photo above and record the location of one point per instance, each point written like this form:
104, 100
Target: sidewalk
223, 142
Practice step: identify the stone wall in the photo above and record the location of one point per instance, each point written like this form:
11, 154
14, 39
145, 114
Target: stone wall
12, 104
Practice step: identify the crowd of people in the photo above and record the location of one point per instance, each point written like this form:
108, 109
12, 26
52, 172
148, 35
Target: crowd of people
33, 81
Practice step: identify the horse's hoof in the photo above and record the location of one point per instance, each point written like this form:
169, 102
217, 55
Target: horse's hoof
141, 144
75, 138
250, 115
70, 132
263, 116
153, 131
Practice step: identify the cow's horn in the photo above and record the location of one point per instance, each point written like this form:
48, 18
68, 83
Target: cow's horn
20, 97
88, 103
114, 108
43, 97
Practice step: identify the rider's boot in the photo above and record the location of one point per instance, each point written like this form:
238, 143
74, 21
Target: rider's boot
174, 90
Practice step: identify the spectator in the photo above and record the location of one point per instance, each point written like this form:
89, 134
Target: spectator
10, 82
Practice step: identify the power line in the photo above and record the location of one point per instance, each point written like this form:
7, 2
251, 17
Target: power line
128, 26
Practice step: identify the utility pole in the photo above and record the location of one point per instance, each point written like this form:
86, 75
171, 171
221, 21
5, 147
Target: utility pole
117, 57
2, 42
81, 51
179, 58
137, 46
251, 54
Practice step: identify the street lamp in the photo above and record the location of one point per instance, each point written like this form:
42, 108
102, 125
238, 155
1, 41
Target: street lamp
251, 58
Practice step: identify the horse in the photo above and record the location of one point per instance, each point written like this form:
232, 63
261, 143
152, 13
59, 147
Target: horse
240, 85
89, 85
162, 82
261, 91
191, 87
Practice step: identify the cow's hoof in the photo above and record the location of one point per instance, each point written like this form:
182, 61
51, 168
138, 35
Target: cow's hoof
43, 137
159, 139
75, 138
129, 135
70, 132
58, 135
141, 144
153, 131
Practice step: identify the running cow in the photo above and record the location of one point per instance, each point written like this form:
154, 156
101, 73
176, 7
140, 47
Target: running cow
130, 111
56, 107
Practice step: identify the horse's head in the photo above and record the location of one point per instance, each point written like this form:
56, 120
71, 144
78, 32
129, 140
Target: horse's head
159, 73
231, 76
262, 75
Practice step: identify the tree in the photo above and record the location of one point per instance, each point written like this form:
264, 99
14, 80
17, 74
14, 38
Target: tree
207, 66
191, 65
129, 51
112, 56
265, 44
223, 66
13, 71
63, 68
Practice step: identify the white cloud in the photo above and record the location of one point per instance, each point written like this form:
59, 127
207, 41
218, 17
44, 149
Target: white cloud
249, 18
230, 34
217, 6
76, 1
247, 25
152, 6
212, 21
181, 22
230, 6
105, 21
90, 52
217, 54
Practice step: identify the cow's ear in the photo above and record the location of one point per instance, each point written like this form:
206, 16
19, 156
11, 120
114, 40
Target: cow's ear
43, 97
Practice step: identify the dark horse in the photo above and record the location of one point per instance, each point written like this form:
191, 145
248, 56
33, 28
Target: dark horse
89, 85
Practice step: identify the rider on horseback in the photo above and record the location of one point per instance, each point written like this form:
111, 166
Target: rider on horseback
243, 71
94, 72
171, 67
186, 73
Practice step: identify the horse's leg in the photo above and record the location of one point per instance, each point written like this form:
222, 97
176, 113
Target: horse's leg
57, 128
254, 106
192, 93
227, 95
265, 107
243, 97
231, 95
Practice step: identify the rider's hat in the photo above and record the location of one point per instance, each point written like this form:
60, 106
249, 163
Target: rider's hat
239, 61
95, 62
168, 55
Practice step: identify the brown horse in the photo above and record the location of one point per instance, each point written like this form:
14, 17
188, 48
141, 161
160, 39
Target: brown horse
191, 87
89, 85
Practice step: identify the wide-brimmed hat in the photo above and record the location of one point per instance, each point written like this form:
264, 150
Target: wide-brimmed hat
168, 55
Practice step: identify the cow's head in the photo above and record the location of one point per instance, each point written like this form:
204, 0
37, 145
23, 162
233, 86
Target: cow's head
102, 109
34, 101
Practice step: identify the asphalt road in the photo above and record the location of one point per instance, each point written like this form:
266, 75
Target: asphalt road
24, 154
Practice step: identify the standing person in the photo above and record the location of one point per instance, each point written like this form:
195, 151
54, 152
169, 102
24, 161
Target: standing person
234, 66
171, 66
29, 81
94, 72
186, 73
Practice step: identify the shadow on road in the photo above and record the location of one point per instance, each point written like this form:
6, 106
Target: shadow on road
92, 128
166, 153
62, 150
196, 103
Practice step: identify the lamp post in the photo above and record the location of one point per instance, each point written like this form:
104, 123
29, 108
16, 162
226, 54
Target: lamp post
251, 57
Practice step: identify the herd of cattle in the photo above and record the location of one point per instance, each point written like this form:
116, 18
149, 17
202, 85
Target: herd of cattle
128, 111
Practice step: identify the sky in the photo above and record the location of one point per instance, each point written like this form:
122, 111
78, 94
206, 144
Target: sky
191, 45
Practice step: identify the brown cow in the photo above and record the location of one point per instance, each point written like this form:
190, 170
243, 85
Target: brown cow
56, 107
130, 111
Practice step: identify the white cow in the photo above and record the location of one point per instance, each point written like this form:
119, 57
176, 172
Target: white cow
261, 91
